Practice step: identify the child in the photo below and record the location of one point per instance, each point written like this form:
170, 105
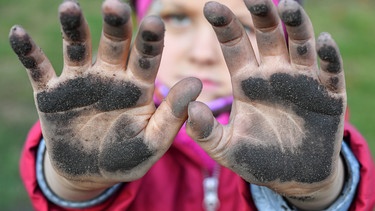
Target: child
273, 120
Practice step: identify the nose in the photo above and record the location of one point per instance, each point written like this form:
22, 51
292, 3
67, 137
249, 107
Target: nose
205, 48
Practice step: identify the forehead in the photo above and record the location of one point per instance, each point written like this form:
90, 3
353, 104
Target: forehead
237, 6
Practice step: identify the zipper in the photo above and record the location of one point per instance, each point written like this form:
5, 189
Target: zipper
210, 187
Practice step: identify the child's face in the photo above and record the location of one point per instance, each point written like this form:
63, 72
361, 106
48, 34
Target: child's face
191, 47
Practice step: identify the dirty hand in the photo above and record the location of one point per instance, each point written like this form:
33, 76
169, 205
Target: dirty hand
99, 120
286, 123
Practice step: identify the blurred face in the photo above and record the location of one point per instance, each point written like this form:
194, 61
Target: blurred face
191, 47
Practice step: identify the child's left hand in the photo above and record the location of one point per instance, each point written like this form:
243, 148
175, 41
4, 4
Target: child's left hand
286, 124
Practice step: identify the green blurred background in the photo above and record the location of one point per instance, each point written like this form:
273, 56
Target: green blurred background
350, 22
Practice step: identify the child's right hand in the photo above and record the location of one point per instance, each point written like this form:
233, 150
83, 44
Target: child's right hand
99, 120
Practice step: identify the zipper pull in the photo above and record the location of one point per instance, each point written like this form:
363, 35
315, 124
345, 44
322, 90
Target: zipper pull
211, 199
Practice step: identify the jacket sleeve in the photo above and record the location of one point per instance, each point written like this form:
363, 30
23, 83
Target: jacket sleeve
365, 196
121, 200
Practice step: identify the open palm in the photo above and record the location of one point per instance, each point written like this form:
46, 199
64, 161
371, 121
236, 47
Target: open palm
99, 120
286, 123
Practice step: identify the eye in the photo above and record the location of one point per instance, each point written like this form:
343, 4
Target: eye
177, 20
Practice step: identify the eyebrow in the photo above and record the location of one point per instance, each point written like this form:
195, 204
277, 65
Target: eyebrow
179, 6
172, 5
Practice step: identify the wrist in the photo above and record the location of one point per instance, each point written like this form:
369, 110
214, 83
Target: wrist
65, 193
67, 189
325, 196
267, 199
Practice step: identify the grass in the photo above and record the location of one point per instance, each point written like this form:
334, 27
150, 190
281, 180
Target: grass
349, 22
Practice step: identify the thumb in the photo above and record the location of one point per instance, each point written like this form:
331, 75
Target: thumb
172, 112
206, 130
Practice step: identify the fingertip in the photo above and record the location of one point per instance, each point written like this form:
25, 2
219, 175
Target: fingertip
16, 30
152, 29
217, 14
31, 57
195, 86
20, 41
150, 38
290, 13
257, 8
182, 93
117, 20
69, 13
23, 46
69, 6
329, 53
200, 120
191, 88
115, 13
323, 36
71, 20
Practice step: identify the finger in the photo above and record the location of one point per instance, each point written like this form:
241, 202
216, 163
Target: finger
205, 129
268, 30
76, 36
300, 32
39, 68
116, 35
233, 39
172, 112
332, 74
146, 54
